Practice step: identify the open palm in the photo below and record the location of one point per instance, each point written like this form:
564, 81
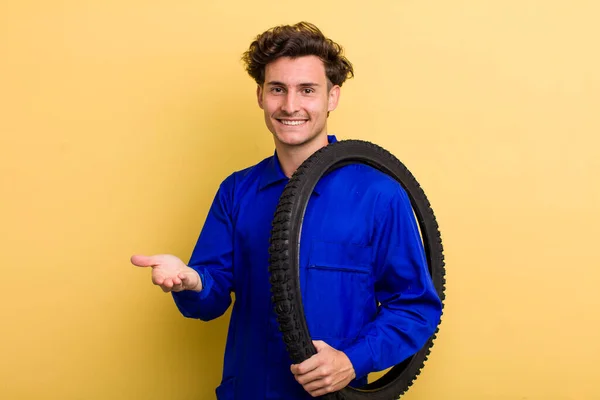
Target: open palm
169, 272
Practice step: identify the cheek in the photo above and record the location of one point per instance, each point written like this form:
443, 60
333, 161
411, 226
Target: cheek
312, 106
324, 105
316, 110
271, 106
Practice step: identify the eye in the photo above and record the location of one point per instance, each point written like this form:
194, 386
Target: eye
308, 90
276, 89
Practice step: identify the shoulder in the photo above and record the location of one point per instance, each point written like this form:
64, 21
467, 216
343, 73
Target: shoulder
369, 181
241, 181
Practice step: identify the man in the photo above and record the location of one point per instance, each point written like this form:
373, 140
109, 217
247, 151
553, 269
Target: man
368, 299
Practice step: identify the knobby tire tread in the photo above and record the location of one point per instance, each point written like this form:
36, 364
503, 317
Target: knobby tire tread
284, 249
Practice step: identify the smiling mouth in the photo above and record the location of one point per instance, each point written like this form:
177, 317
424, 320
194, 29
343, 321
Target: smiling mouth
292, 122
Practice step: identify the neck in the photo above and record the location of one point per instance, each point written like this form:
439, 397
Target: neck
291, 157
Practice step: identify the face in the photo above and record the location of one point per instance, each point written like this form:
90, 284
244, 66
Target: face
296, 99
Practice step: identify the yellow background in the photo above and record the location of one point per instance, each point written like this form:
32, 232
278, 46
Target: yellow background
118, 120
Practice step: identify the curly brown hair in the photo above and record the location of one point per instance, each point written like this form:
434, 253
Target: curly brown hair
301, 39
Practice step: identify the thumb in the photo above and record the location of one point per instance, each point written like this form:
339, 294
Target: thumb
144, 261
320, 345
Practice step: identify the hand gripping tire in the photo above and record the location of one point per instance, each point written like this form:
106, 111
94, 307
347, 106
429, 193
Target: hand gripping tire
284, 258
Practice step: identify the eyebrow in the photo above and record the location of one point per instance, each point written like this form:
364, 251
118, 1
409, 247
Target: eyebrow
306, 84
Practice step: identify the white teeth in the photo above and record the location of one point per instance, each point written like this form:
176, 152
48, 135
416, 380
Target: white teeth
285, 122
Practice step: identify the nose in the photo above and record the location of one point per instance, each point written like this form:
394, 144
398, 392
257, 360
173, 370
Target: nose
291, 103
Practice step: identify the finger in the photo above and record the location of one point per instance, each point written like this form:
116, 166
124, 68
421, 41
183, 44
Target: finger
320, 345
322, 387
143, 261
311, 377
315, 386
157, 278
185, 282
307, 365
177, 287
165, 289
322, 391
190, 281
167, 285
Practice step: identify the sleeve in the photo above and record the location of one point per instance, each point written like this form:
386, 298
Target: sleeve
410, 308
212, 258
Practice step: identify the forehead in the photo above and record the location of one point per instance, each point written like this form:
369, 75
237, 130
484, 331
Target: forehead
294, 71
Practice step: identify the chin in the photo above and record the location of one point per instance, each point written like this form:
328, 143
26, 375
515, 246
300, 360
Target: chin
292, 139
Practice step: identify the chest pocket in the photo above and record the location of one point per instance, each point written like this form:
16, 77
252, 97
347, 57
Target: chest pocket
337, 289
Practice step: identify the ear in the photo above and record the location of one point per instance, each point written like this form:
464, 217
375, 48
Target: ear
259, 93
334, 98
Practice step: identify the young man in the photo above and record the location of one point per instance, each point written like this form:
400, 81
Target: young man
368, 299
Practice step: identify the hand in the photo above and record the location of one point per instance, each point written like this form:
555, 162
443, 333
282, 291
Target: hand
169, 272
327, 371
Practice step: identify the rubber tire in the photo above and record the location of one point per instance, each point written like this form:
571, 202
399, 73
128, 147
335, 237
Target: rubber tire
284, 258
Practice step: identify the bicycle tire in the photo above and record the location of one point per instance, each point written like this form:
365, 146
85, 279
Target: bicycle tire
284, 258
